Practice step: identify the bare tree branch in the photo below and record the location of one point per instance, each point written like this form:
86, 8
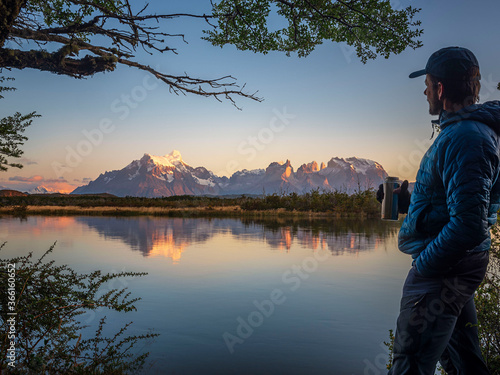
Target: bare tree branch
106, 60
75, 34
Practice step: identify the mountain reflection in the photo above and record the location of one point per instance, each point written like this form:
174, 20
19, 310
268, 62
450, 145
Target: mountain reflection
338, 236
169, 237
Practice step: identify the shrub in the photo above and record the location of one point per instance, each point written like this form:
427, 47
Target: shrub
48, 301
487, 300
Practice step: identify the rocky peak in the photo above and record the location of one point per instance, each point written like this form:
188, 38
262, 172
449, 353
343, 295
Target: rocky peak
308, 168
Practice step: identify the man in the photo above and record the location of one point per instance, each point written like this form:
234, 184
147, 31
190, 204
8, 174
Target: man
453, 204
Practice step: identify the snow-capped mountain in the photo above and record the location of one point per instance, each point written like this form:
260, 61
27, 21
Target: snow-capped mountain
339, 174
242, 181
353, 174
42, 190
157, 176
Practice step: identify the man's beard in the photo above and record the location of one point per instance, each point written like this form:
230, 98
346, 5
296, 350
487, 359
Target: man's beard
435, 106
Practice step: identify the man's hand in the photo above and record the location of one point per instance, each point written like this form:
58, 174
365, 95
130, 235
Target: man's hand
403, 197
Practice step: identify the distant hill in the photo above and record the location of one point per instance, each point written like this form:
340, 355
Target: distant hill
163, 176
11, 193
102, 195
15, 193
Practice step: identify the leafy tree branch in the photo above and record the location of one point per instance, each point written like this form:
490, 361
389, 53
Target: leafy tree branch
11, 133
371, 27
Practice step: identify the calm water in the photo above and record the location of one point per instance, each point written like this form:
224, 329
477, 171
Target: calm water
240, 297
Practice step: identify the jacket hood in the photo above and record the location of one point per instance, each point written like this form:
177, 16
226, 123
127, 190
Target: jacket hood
488, 113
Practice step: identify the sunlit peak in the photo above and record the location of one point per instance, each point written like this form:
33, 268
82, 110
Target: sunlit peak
175, 154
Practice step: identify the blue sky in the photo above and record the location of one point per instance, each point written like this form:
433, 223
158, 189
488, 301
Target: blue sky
315, 108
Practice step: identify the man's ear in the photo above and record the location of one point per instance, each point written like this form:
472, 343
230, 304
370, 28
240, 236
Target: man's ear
440, 91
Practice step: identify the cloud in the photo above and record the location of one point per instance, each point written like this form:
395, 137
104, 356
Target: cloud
37, 179
29, 183
84, 180
26, 179
26, 161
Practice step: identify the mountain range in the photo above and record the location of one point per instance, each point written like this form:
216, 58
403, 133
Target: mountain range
41, 190
162, 176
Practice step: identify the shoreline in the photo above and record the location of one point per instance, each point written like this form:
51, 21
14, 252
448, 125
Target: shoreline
216, 211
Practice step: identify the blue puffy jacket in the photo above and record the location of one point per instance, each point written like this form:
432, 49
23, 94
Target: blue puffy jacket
457, 193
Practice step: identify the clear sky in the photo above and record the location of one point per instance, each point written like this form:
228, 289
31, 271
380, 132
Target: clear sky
315, 108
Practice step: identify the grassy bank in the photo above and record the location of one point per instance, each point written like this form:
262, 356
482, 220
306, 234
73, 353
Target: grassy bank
313, 204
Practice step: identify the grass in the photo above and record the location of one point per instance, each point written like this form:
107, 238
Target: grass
312, 204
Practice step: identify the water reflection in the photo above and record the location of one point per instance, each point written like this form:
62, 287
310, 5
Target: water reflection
333, 323
153, 237
169, 237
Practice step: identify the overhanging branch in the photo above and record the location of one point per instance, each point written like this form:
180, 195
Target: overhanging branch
224, 87
59, 63
56, 62
9, 11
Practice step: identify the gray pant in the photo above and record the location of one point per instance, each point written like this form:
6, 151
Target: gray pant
438, 322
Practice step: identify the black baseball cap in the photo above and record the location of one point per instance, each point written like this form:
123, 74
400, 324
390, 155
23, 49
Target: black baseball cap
449, 63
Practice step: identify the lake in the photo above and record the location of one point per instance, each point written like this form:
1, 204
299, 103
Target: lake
231, 296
